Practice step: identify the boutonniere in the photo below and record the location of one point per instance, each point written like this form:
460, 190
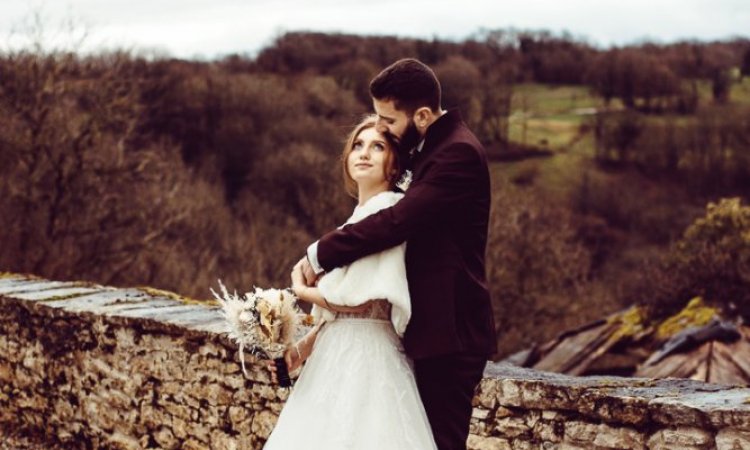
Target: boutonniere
405, 180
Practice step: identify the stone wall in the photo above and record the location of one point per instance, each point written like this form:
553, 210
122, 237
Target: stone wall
524, 409
86, 366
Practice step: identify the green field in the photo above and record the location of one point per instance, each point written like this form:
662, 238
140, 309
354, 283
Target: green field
551, 118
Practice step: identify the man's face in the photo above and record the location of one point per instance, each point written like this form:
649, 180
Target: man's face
399, 125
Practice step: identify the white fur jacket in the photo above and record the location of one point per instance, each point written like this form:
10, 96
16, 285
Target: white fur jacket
377, 276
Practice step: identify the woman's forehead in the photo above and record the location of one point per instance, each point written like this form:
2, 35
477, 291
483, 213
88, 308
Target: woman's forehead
371, 134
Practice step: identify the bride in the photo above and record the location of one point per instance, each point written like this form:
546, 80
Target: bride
357, 388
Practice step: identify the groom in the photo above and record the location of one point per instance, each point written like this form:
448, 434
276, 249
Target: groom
443, 218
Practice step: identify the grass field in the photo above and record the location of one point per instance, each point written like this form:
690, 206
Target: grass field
740, 92
551, 117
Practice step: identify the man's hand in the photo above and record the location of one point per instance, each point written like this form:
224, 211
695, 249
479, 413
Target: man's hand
298, 279
307, 271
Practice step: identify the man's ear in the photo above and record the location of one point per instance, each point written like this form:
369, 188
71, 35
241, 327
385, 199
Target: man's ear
423, 117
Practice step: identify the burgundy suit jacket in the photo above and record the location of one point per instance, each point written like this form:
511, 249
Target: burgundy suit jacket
443, 218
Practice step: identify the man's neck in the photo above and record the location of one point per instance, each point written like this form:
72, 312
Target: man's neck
433, 119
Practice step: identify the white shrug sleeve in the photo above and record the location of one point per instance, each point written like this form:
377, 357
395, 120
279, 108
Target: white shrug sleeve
377, 276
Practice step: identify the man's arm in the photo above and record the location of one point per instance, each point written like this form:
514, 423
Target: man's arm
450, 180
312, 269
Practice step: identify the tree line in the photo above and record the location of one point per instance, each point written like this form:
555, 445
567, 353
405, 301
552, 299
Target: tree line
129, 170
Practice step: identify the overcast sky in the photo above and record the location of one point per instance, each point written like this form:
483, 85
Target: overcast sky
212, 28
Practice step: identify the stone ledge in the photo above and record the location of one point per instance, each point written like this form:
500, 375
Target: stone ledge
632, 401
85, 366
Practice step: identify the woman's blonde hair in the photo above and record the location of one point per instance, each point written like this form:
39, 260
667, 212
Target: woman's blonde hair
391, 167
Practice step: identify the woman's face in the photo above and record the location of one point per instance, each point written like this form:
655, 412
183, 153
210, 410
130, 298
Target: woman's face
367, 158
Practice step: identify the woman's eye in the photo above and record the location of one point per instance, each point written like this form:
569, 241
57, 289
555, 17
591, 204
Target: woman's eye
357, 146
379, 147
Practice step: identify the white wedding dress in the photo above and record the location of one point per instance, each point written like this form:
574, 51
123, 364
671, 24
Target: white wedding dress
357, 389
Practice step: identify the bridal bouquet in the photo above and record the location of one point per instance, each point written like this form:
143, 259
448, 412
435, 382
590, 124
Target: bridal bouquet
264, 321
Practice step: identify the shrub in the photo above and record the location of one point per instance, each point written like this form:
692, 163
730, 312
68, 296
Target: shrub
539, 268
712, 260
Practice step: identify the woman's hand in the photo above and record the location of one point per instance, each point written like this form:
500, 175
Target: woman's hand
296, 354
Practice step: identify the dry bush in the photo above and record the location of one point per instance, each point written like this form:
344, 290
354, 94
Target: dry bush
80, 200
631, 203
712, 260
100, 182
539, 269
707, 152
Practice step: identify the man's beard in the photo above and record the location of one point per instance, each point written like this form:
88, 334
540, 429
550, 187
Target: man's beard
410, 139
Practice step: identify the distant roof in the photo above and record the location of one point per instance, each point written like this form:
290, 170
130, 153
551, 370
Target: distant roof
701, 347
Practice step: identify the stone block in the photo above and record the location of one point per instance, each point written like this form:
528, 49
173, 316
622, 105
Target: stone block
733, 439
502, 411
210, 350
487, 443
164, 437
681, 438
263, 424
480, 413
512, 427
238, 414
121, 441
548, 432
577, 432
152, 417
509, 393
200, 432
569, 446
181, 429
609, 437
486, 394
532, 417
192, 444
522, 444
177, 410
222, 441
125, 338
477, 427
214, 394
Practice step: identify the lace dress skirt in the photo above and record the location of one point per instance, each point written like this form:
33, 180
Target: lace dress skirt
356, 391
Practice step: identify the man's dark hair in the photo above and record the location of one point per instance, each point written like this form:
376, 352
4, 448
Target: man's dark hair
409, 83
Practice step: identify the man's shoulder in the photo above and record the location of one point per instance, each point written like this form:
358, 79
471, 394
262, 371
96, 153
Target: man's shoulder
461, 143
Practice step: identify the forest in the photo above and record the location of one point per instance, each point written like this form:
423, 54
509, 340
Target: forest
130, 169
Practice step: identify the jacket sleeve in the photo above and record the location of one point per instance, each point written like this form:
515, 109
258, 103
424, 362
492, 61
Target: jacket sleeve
449, 180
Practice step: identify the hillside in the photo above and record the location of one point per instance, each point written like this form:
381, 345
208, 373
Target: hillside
129, 170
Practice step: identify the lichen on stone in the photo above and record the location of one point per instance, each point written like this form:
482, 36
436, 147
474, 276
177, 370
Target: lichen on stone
17, 275
695, 314
174, 296
632, 323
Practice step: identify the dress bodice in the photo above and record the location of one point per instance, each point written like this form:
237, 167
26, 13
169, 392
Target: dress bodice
376, 309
